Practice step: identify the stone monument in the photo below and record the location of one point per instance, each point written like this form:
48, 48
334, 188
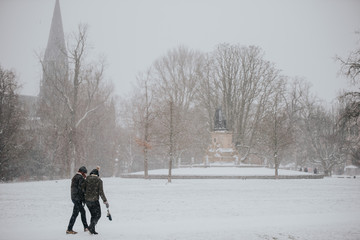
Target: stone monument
221, 149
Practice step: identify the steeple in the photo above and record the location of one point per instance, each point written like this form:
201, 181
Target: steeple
55, 63
55, 49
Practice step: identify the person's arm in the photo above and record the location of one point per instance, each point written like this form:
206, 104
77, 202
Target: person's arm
102, 194
101, 191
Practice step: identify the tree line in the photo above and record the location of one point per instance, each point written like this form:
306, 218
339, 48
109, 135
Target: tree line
273, 117
167, 119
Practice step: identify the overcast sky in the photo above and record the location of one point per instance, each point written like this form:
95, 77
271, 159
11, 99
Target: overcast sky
301, 37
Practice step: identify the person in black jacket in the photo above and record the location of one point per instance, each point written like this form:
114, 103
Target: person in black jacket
78, 198
93, 188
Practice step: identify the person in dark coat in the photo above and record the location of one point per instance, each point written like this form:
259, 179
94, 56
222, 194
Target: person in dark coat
78, 198
93, 188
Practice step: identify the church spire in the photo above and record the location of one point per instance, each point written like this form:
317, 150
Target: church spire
56, 43
55, 62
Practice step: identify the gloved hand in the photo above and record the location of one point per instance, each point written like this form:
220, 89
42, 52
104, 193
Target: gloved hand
106, 204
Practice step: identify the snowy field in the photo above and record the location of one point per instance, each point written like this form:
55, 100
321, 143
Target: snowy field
223, 171
189, 210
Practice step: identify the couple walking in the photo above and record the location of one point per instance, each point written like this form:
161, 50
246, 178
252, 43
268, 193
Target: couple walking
86, 189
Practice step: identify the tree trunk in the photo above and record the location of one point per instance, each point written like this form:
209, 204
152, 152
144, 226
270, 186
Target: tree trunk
171, 141
72, 146
276, 163
146, 172
146, 167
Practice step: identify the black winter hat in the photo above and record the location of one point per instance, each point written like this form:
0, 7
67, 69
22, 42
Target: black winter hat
83, 169
95, 171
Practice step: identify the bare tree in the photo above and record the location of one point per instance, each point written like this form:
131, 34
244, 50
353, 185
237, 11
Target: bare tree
143, 116
350, 115
171, 138
278, 125
208, 96
176, 77
326, 139
11, 123
228, 71
350, 67
131, 119
244, 80
300, 101
82, 91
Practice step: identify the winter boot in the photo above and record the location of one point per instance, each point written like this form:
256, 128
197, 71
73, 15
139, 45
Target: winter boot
70, 232
92, 231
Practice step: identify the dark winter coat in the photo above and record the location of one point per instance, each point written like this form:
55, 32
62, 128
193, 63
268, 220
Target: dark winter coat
93, 188
77, 193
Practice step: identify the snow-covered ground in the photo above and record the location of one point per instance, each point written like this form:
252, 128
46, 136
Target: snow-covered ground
189, 210
223, 171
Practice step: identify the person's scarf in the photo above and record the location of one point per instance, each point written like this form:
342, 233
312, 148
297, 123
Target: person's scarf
82, 174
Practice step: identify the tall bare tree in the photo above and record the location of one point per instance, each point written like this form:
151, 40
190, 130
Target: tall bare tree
350, 66
11, 123
143, 116
82, 91
88, 91
350, 116
327, 141
208, 95
244, 79
300, 101
176, 77
278, 125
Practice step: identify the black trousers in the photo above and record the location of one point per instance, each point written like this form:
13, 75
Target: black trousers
77, 208
95, 211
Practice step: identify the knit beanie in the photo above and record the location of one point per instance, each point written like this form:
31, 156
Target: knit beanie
95, 172
83, 169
